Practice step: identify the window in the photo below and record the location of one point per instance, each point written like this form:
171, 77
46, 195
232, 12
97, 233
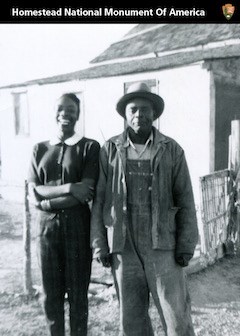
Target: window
21, 114
151, 83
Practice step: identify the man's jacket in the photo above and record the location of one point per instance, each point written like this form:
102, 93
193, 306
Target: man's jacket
174, 223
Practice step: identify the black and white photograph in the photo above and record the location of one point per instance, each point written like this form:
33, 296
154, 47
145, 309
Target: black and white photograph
120, 174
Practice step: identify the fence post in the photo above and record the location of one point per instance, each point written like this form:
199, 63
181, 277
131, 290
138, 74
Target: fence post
234, 153
28, 289
234, 165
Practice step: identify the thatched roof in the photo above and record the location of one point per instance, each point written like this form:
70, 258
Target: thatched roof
155, 38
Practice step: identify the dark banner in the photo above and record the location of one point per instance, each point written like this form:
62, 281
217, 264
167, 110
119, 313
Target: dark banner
106, 12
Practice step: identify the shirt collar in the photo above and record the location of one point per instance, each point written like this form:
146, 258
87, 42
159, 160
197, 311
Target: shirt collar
75, 138
128, 141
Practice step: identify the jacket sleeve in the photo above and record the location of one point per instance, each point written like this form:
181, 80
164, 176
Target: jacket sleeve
98, 231
186, 221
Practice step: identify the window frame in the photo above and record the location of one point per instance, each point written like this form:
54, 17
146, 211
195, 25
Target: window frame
21, 114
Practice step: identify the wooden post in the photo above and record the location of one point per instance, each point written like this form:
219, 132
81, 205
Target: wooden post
28, 289
229, 152
234, 165
234, 155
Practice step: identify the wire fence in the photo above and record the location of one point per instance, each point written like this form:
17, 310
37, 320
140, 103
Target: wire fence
216, 190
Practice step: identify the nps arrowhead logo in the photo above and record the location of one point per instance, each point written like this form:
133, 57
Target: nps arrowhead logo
228, 11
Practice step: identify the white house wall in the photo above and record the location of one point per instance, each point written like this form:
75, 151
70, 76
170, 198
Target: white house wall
187, 116
186, 93
16, 150
101, 119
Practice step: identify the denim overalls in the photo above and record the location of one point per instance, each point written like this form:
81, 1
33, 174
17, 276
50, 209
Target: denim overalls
139, 270
139, 181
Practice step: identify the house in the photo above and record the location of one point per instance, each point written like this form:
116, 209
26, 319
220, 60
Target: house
194, 67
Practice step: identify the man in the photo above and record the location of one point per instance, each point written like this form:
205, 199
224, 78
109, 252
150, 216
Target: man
62, 176
143, 219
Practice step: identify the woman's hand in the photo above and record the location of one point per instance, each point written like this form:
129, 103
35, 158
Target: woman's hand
82, 191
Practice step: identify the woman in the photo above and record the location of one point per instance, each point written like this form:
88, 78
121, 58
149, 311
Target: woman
62, 176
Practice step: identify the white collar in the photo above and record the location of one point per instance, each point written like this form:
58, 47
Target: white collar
69, 141
129, 141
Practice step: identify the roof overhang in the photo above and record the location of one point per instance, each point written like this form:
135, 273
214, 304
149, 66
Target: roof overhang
137, 66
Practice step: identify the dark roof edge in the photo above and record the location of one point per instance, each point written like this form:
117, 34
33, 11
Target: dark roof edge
128, 67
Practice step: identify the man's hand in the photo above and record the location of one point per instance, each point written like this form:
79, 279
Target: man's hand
104, 259
82, 191
183, 258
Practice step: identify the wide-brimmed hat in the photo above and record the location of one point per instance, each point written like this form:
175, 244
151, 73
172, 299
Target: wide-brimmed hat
140, 90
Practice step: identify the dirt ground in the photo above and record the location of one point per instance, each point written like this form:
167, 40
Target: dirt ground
215, 291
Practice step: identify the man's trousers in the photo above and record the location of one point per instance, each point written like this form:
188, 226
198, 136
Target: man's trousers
138, 271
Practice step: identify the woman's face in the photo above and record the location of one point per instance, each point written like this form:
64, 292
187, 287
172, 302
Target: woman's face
67, 115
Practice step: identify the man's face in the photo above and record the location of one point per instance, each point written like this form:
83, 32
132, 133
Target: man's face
139, 115
67, 115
